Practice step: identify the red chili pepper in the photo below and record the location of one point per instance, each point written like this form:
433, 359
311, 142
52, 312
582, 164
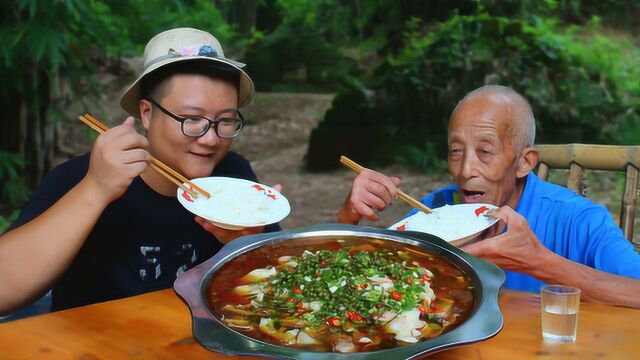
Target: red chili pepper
334, 321
353, 316
362, 286
186, 196
481, 209
425, 278
258, 187
396, 296
291, 300
297, 290
402, 227
300, 305
424, 309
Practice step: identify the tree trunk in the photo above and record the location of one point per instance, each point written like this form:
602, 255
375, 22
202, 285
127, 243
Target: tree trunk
246, 11
224, 9
35, 132
10, 135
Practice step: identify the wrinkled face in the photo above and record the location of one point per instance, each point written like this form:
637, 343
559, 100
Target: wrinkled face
482, 154
188, 94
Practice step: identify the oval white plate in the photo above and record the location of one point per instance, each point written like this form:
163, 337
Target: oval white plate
236, 203
457, 224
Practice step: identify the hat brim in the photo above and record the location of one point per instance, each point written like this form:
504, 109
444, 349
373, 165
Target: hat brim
130, 100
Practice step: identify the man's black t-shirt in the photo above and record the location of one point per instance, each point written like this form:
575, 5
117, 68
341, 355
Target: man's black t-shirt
140, 243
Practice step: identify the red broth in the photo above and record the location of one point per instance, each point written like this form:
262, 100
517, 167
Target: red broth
352, 317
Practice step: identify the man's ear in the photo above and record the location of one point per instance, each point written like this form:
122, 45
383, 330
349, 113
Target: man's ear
528, 161
145, 113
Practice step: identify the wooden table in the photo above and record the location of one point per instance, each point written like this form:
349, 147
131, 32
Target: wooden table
158, 326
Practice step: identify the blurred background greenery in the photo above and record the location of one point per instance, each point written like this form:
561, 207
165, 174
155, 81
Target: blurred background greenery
397, 68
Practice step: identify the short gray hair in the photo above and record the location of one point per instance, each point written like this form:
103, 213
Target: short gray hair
525, 129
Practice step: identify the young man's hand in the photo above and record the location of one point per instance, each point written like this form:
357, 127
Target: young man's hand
117, 157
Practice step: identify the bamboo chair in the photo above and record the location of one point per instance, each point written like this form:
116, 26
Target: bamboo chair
579, 157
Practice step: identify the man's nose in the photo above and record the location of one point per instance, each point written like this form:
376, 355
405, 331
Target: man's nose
469, 163
210, 138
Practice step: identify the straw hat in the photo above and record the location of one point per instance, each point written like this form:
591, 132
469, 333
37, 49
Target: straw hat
183, 44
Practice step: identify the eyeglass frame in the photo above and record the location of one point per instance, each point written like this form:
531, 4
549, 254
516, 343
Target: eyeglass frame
212, 123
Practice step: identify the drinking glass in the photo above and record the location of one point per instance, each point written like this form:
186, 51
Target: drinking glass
559, 305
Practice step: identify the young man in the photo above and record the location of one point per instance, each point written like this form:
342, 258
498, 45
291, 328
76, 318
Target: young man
105, 225
553, 236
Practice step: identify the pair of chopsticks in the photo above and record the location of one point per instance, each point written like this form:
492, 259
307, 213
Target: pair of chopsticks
408, 199
172, 175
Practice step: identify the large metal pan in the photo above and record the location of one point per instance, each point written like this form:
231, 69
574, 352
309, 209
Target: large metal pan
484, 322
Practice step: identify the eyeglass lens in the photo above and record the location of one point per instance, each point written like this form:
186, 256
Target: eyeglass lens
224, 128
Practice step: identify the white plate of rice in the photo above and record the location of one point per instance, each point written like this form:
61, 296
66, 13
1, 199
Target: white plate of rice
457, 224
235, 203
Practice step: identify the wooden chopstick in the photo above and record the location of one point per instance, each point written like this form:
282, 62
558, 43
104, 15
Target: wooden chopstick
408, 199
99, 127
155, 164
158, 162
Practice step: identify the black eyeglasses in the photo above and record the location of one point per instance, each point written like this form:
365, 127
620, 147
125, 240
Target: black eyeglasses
226, 127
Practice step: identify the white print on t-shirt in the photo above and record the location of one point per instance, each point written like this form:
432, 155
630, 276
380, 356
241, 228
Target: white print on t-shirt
150, 267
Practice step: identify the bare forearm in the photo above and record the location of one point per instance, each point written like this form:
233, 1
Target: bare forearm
34, 255
596, 286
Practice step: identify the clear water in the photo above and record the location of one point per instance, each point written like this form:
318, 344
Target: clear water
559, 325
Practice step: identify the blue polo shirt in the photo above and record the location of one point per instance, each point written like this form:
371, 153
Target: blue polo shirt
566, 223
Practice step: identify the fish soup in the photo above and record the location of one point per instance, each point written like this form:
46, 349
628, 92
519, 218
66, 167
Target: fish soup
340, 294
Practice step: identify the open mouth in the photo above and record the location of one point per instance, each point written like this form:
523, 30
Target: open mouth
470, 196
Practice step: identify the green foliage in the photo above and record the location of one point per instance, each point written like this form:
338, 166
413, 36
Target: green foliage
65, 37
570, 78
14, 191
399, 66
6, 221
582, 87
130, 24
425, 157
49, 54
306, 45
299, 52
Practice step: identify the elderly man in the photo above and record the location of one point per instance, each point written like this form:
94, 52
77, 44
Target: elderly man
105, 225
552, 236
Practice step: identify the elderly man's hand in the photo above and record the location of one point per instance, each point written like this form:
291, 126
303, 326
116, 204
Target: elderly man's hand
225, 235
370, 192
518, 249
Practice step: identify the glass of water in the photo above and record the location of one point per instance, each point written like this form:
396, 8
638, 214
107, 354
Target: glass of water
559, 305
